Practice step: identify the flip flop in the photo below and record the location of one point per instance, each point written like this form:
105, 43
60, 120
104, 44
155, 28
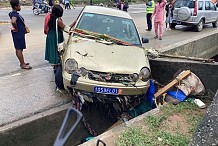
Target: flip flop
26, 64
27, 67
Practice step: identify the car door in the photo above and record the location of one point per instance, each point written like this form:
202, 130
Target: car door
207, 11
213, 13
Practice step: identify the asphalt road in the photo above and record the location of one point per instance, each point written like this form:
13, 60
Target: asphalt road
24, 92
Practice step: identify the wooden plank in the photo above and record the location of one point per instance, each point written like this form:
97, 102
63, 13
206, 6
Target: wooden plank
172, 84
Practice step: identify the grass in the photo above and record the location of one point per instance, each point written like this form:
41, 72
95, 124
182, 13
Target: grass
157, 132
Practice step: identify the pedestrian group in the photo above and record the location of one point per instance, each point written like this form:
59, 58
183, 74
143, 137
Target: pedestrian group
54, 27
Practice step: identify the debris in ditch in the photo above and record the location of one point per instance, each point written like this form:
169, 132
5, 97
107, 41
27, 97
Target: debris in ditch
199, 103
189, 84
205, 60
172, 83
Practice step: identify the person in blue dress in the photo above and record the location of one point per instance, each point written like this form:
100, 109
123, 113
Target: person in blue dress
18, 33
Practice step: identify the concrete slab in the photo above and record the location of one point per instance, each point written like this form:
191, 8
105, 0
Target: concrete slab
28, 92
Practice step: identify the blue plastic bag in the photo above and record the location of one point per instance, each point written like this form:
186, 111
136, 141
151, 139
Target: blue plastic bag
177, 94
150, 94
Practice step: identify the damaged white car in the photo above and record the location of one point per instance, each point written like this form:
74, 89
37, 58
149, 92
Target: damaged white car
103, 57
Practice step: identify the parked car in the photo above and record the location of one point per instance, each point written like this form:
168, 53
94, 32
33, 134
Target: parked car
195, 13
103, 58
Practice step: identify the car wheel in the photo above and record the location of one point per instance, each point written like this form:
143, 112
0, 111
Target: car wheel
173, 25
35, 11
199, 26
215, 24
59, 78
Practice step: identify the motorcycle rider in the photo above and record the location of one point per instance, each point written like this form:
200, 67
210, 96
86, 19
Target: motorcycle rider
41, 4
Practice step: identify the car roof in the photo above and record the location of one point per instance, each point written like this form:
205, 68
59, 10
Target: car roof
106, 11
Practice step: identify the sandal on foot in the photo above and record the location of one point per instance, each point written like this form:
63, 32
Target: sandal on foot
25, 64
155, 37
26, 67
160, 38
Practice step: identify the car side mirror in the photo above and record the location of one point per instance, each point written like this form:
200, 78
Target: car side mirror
145, 40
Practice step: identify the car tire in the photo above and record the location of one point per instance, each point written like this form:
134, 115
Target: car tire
215, 24
173, 25
199, 26
59, 78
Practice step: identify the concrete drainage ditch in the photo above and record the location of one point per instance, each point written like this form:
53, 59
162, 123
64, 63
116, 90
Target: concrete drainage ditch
42, 128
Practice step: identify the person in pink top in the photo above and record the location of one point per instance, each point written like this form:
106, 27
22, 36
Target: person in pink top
158, 15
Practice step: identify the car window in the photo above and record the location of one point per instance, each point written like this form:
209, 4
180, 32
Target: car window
200, 5
184, 3
117, 27
207, 6
212, 6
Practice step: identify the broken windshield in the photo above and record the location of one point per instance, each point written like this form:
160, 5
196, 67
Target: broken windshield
115, 27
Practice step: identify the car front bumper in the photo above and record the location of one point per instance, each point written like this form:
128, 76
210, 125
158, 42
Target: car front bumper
85, 84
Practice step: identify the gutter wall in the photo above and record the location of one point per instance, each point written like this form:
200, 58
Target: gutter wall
204, 46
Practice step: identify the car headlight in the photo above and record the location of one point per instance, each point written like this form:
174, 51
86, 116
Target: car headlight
71, 65
134, 77
83, 71
144, 74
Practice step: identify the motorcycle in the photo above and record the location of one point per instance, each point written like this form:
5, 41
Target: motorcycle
41, 8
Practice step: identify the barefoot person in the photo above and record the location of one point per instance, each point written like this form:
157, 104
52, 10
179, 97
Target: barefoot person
158, 15
18, 32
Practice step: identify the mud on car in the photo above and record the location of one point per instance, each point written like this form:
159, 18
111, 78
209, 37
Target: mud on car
103, 59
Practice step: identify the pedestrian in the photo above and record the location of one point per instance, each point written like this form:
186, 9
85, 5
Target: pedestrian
51, 52
18, 31
149, 11
50, 3
67, 4
123, 5
169, 15
55, 36
158, 15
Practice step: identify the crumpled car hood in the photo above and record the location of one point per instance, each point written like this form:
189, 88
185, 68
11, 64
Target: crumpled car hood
108, 58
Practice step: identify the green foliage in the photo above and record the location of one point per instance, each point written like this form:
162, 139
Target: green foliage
156, 135
132, 136
155, 121
170, 109
173, 140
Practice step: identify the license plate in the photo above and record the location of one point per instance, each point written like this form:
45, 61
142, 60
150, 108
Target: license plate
105, 90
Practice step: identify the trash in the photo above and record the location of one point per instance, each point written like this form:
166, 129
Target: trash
191, 85
169, 86
159, 139
150, 94
172, 100
199, 103
177, 95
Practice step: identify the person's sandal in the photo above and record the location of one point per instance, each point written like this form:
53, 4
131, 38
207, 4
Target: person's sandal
160, 38
26, 67
155, 37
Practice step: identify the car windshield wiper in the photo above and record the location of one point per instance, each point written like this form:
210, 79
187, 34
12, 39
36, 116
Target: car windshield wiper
100, 37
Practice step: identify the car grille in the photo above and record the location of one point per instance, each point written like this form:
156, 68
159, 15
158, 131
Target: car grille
109, 77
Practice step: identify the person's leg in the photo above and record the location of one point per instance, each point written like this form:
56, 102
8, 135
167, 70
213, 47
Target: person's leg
160, 29
156, 29
149, 21
65, 6
19, 54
